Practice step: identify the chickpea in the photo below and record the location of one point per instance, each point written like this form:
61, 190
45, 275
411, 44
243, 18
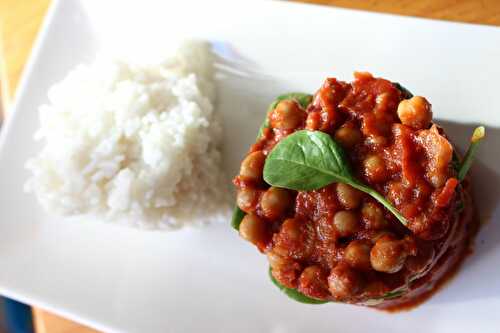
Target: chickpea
415, 112
246, 199
311, 272
343, 281
348, 136
253, 229
275, 202
290, 230
345, 223
252, 166
357, 254
313, 282
275, 260
295, 239
348, 196
373, 216
287, 115
388, 255
284, 270
374, 167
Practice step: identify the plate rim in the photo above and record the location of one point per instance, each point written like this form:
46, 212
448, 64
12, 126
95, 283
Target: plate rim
23, 93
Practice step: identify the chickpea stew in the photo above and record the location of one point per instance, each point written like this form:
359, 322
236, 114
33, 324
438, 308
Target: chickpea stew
381, 221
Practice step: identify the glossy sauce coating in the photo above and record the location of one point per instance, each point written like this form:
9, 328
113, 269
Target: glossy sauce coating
337, 243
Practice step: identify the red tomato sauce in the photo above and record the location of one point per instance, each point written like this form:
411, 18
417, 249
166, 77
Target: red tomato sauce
339, 244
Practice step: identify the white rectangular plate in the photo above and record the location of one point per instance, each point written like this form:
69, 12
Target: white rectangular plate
208, 280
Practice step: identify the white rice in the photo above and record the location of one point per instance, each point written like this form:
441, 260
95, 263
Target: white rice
133, 143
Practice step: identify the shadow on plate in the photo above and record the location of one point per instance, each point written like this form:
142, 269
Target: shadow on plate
482, 264
244, 94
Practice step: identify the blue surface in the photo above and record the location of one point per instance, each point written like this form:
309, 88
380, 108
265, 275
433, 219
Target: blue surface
16, 316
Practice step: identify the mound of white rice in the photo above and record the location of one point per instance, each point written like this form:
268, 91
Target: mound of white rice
133, 143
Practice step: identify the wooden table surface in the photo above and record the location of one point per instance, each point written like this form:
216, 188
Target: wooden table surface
21, 19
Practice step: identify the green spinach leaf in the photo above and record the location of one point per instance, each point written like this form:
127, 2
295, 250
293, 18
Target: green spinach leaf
394, 294
238, 215
406, 93
293, 293
476, 138
310, 160
306, 160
